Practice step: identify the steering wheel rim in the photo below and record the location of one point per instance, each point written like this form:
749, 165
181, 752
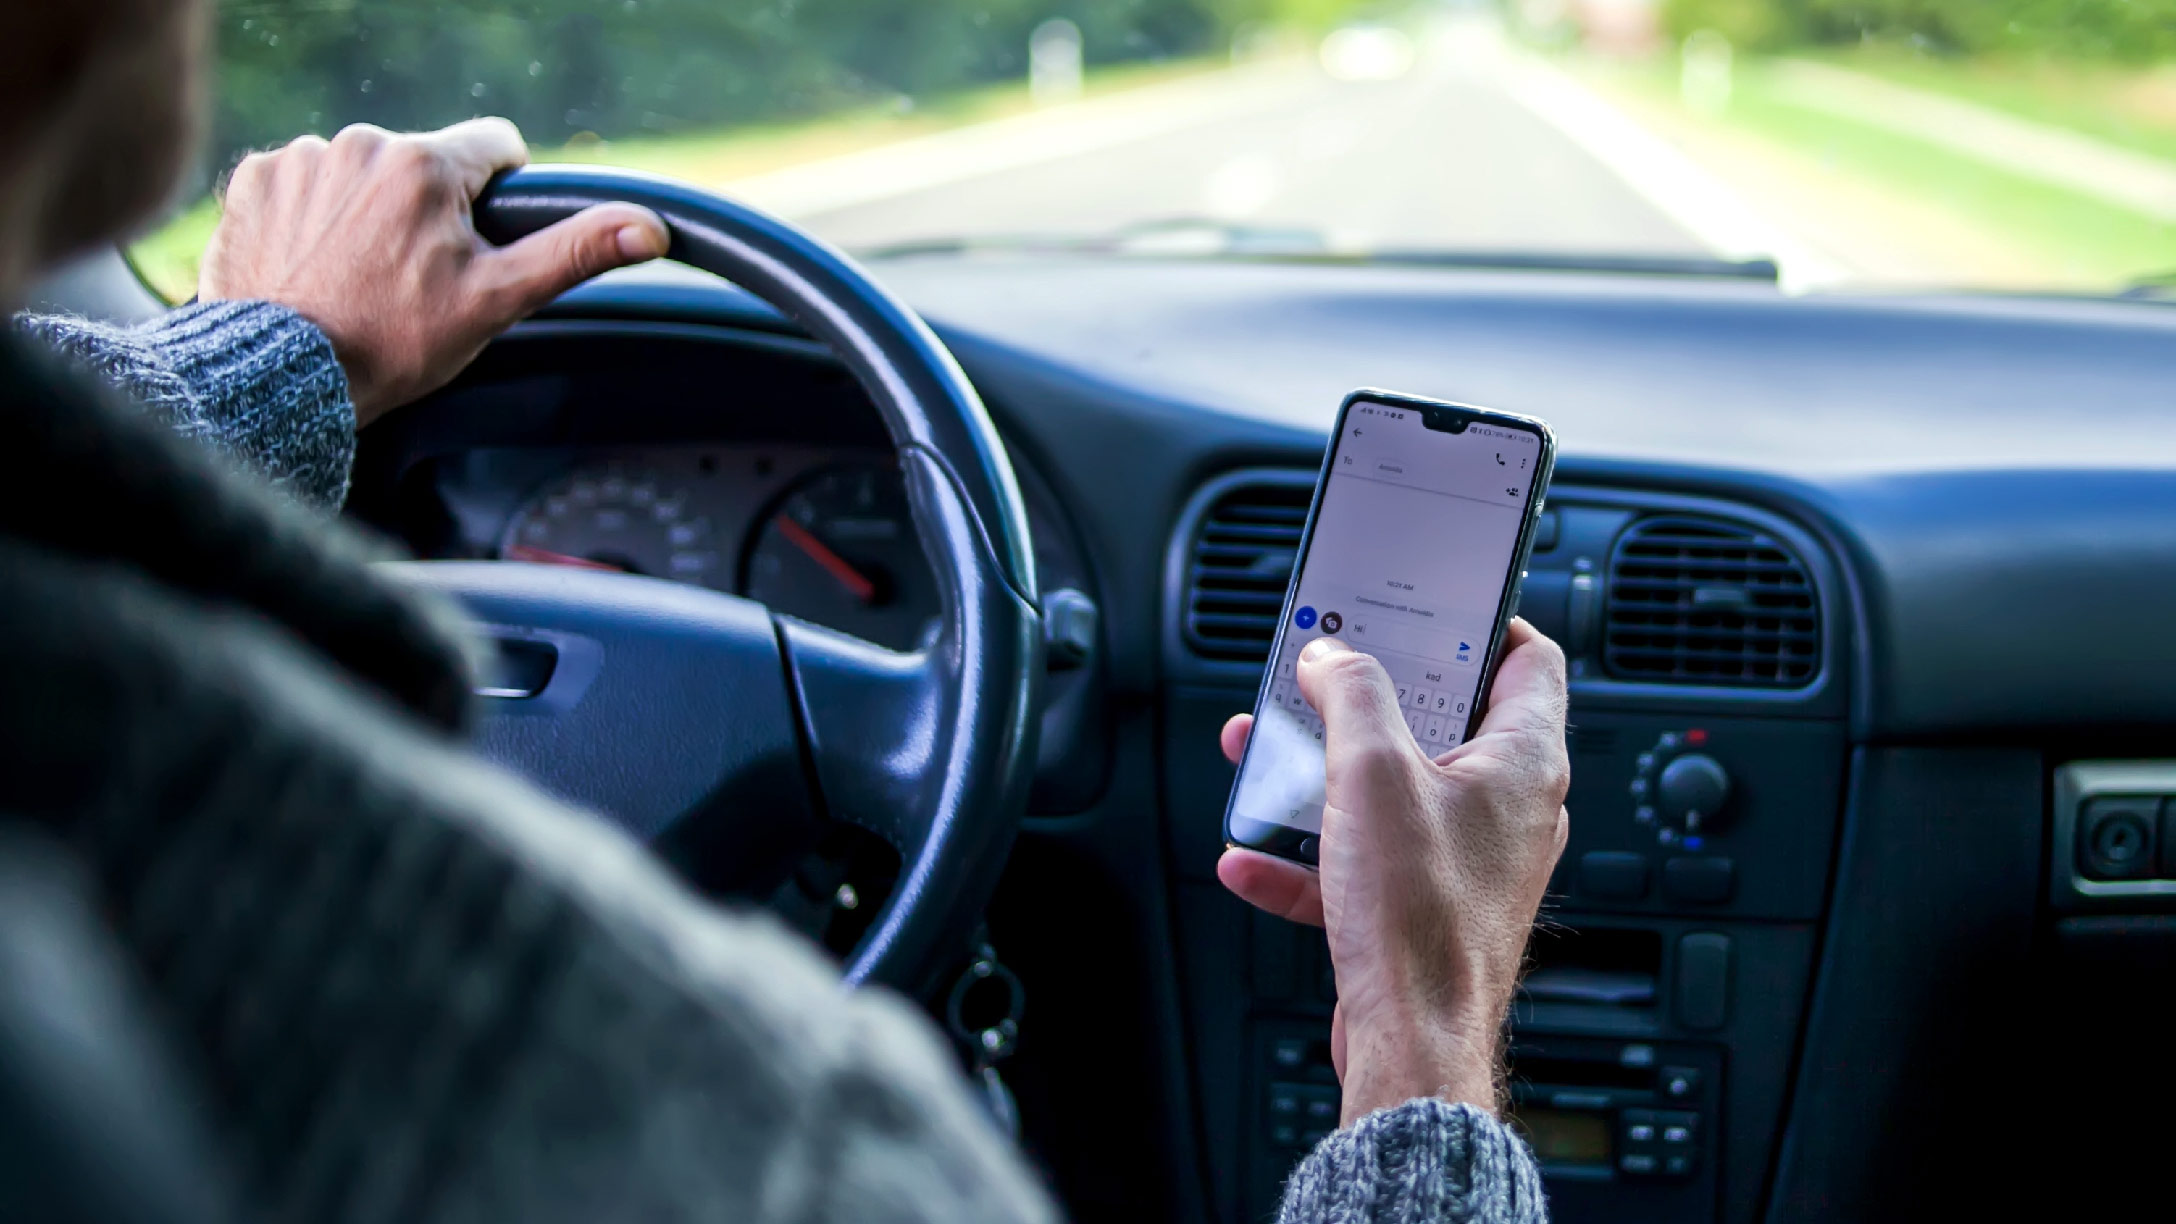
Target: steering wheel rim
932, 750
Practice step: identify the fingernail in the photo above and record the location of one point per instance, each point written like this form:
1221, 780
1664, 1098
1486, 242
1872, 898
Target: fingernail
1323, 648
639, 242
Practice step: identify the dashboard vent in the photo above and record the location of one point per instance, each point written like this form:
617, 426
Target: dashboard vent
1708, 601
1239, 566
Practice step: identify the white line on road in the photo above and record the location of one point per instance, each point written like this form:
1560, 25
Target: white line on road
1682, 189
2070, 160
980, 149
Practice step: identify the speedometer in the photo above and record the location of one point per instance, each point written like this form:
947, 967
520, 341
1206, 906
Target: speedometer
840, 550
614, 517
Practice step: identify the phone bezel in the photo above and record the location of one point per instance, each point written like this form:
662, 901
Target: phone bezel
1284, 841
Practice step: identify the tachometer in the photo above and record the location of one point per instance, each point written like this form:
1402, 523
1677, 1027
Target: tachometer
840, 550
616, 518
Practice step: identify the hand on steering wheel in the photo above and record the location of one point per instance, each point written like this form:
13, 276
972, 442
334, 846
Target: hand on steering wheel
702, 718
368, 236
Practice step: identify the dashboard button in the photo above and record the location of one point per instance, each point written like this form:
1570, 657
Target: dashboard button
1699, 880
1703, 980
1681, 1083
1613, 875
2115, 837
1638, 1163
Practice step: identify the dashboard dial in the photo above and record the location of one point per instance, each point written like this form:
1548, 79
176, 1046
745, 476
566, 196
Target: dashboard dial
839, 549
616, 518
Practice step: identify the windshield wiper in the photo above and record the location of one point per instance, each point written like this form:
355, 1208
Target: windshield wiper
1203, 238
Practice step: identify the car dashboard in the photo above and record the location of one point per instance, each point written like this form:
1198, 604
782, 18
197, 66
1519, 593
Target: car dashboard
1852, 589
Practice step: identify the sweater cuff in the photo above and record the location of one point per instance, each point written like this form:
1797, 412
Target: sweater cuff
268, 386
1424, 1162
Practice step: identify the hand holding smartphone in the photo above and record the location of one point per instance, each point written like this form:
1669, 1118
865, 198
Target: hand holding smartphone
1419, 533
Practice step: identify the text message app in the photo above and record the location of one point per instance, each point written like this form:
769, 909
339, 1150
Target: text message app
1411, 550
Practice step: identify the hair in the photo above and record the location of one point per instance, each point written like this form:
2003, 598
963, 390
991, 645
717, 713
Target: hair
98, 114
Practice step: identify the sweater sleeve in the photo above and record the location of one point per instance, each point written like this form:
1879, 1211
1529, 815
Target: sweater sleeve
423, 991
1423, 1162
254, 381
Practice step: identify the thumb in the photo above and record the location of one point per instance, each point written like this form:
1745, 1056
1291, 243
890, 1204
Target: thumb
526, 275
1357, 702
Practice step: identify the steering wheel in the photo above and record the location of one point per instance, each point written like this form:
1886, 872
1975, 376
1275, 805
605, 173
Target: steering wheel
735, 734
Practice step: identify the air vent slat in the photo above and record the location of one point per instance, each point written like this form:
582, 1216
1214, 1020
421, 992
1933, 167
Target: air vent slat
1241, 560
1706, 601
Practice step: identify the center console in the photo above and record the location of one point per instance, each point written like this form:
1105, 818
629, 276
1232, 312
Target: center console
1651, 1043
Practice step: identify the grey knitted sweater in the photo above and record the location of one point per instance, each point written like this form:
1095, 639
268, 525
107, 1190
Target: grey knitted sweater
420, 989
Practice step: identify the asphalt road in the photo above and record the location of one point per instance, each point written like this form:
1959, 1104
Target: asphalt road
1444, 157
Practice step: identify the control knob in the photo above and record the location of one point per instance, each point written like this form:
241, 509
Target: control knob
1692, 791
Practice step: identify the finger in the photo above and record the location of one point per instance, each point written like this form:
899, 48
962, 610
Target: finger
1272, 885
478, 149
1529, 695
1234, 736
530, 273
1357, 702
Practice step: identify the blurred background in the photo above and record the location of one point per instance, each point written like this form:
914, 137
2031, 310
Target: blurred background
1987, 144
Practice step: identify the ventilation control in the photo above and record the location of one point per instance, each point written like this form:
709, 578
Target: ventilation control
1691, 791
1680, 791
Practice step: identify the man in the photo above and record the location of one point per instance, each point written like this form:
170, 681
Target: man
319, 963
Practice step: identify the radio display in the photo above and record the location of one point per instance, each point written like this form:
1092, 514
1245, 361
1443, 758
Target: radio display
1566, 1137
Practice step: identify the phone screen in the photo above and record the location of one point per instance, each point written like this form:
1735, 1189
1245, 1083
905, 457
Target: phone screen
1409, 559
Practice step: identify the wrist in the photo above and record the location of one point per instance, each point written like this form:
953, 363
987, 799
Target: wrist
1458, 1059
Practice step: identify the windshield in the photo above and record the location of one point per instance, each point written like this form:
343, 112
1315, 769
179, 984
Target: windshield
2018, 144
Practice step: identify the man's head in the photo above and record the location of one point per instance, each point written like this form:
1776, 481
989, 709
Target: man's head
98, 114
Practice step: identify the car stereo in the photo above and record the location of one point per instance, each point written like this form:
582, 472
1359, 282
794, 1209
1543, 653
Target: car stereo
1622, 1130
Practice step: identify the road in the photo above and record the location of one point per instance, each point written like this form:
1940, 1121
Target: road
1453, 154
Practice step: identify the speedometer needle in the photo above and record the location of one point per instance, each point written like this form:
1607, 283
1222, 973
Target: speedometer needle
856, 583
544, 556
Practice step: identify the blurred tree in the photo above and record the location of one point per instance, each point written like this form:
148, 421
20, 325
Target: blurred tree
2137, 31
617, 68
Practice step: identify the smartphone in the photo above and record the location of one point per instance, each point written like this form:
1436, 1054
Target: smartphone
1413, 551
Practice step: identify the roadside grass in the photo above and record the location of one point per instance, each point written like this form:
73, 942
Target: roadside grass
168, 257
2051, 237
2131, 107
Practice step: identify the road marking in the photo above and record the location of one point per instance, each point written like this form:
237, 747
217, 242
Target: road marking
944, 158
2039, 151
1680, 188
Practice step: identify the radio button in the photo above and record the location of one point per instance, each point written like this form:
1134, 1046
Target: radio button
1638, 1163
1677, 1166
1639, 1133
1681, 1083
